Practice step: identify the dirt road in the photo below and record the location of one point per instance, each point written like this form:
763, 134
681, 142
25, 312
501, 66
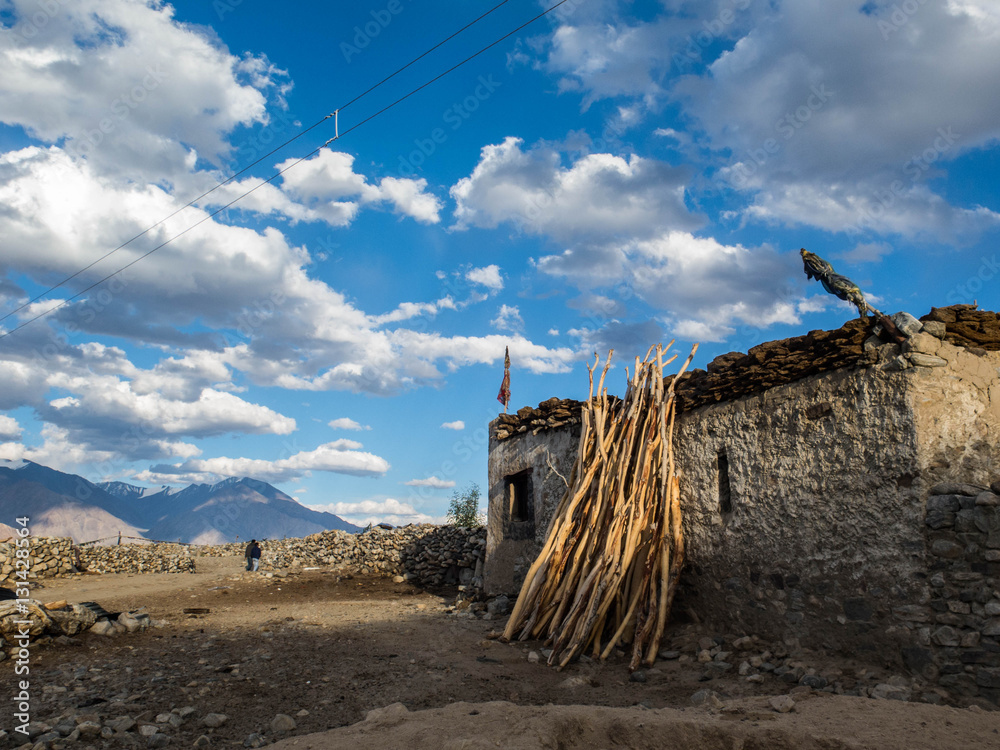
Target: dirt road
325, 650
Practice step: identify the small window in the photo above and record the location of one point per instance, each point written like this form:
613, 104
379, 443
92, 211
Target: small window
725, 493
520, 505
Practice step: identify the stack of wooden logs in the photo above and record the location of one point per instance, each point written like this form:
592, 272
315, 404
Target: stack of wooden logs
608, 571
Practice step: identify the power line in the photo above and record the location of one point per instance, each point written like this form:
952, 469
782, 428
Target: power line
246, 168
290, 166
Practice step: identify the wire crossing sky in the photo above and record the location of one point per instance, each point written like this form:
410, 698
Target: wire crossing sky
609, 176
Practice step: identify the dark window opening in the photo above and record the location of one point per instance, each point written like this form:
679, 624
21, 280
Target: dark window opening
725, 493
520, 505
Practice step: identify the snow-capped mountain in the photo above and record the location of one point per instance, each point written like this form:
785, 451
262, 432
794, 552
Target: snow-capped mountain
61, 504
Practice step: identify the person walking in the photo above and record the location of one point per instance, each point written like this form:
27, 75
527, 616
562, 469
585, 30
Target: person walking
255, 556
248, 554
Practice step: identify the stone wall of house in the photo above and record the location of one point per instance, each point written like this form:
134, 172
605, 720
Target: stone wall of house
807, 493
804, 506
956, 630
544, 459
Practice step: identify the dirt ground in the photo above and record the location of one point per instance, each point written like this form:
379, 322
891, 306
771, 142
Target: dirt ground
369, 663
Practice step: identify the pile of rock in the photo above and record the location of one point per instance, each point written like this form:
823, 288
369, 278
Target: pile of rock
47, 557
137, 558
28, 621
958, 630
757, 662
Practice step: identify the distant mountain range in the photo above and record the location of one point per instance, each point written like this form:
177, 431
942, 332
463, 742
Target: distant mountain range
60, 504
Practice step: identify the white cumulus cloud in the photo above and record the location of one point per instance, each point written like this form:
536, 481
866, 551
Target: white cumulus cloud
388, 510
435, 482
346, 423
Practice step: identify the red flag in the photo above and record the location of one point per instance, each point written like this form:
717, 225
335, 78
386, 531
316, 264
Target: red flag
504, 396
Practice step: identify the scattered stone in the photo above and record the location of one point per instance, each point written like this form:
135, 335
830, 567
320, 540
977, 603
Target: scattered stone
202, 741
103, 627
124, 724
814, 681
89, 729
214, 721
782, 703
886, 691
302, 713
498, 606
158, 740
637, 676
534, 657
578, 681
706, 698
282, 723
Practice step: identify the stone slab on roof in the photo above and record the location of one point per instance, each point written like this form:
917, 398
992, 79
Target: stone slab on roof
734, 375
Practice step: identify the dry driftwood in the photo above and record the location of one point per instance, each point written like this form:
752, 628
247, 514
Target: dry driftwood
608, 570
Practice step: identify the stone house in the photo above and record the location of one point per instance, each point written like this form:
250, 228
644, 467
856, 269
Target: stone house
835, 491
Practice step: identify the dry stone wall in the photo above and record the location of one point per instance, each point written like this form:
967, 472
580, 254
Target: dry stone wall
957, 629
47, 557
426, 554
138, 558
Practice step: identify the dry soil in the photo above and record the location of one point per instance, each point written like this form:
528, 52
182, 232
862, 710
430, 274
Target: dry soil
362, 662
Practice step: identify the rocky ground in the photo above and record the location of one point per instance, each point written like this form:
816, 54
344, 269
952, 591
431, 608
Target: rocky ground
257, 660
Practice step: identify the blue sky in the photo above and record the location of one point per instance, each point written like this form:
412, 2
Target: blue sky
614, 175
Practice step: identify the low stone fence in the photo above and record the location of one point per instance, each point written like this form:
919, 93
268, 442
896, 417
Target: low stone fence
138, 558
429, 555
47, 557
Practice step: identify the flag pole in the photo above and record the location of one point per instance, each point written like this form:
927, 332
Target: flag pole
504, 396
